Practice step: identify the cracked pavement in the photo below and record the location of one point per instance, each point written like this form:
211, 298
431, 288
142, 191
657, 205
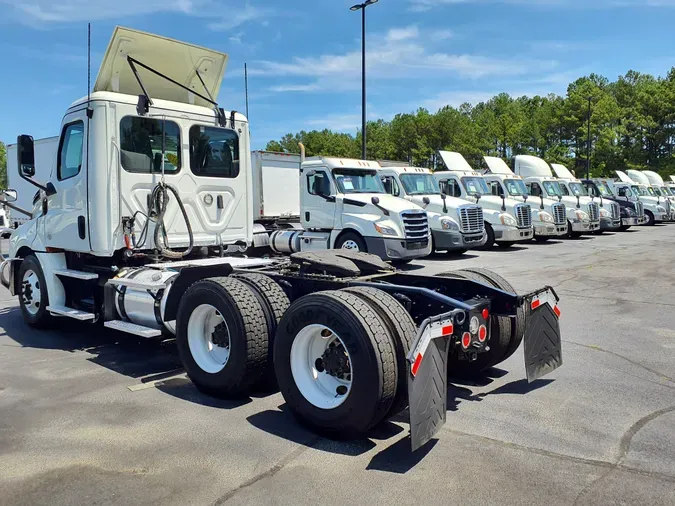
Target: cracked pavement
599, 430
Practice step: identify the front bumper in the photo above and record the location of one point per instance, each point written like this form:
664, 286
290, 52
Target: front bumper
398, 249
585, 226
452, 240
630, 222
549, 229
609, 224
512, 234
642, 220
658, 217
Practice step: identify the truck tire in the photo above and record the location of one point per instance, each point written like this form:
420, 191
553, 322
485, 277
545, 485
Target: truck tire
274, 302
571, 234
505, 245
322, 339
517, 326
650, 218
490, 237
500, 338
222, 337
541, 238
352, 241
401, 328
33, 296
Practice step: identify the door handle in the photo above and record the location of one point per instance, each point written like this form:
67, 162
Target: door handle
81, 230
219, 202
307, 216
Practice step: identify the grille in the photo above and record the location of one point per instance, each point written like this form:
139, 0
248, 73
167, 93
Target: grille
559, 214
640, 209
471, 219
594, 211
616, 212
666, 204
416, 225
523, 215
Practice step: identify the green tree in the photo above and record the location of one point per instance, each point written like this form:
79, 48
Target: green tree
3, 165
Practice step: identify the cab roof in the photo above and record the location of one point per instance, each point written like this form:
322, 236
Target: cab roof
343, 163
405, 169
177, 60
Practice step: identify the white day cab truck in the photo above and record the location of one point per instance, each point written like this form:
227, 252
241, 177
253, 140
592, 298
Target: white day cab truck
659, 189
324, 203
129, 233
626, 188
549, 217
632, 213
610, 212
507, 221
540, 182
456, 225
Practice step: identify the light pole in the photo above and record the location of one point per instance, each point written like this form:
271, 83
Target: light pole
362, 8
588, 146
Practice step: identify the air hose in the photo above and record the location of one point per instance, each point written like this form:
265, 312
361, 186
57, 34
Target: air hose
159, 201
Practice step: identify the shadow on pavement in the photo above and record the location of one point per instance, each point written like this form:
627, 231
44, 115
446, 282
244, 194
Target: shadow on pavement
550, 242
398, 458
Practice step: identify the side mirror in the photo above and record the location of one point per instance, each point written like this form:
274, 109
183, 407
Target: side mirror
503, 203
51, 190
457, 191
578, 202
8, 196
443, 185
25, 154
375, 201
426, 201
542, 201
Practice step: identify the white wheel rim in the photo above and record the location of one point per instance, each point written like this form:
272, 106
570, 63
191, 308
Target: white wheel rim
30, 292
349, 244
320, 388
210, 357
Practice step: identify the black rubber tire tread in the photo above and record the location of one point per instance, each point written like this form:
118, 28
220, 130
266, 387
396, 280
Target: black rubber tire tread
245, 317
42, 319
367, 404
505, 245
275, 302
489, 243
500, 338
517, 330
401, 328
651, 218
541, 238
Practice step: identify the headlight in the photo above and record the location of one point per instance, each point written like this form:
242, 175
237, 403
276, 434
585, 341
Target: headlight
581, 216
544, 216
508, 220
449, 224
604, 213
385, 230
660, 209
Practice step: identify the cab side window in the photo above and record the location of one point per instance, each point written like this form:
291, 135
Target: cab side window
70, 151
534, 189
592, 190
391, 186
564, 190
622, 192
450, 187
496, 188
318, 184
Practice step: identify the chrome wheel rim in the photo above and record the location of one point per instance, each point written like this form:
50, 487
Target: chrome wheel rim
31, 293
208, 339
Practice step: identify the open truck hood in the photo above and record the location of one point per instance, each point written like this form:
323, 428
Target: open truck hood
455, 161
497, 165
623, 177
563, 172
174, 59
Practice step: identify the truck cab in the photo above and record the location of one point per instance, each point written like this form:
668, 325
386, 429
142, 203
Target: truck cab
507, 221
548, 216
456, 225
344, 205
632, 213
540, 182
661, 190
645, 184
610, 213
628, 189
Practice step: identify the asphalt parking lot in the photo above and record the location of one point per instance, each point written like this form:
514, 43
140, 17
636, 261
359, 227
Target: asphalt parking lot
94, 417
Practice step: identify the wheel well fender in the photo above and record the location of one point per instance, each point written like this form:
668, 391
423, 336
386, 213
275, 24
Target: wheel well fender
14, 280
345, 232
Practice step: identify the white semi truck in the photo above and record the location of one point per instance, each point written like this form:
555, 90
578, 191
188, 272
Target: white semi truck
627, 188
660, 189
333, 203
549, 217
456, 225
129, 232
540, 182
610, 212
507, 221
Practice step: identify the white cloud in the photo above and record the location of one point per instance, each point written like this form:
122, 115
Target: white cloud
336, 122
396, 34
442, 34
283, 88
238, 16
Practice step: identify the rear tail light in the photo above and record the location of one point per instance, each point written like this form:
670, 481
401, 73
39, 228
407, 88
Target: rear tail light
466, 340
485, 314
482, 333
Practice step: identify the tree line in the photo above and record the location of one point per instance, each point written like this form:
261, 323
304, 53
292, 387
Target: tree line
632, 125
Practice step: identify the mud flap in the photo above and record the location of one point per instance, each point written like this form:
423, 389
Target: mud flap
543, 350
427, 381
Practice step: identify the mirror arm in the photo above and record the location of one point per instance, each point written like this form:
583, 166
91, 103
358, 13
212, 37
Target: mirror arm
34, 183
17, 208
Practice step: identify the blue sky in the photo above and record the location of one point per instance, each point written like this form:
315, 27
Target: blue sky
304, 56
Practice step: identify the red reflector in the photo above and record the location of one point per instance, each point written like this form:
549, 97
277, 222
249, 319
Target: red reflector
482, 333
416, 365
556, 310
486, 313
536, 303
447, 330
466, 340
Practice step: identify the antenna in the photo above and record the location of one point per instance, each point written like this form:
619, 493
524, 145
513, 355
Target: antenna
246, 89
89, 110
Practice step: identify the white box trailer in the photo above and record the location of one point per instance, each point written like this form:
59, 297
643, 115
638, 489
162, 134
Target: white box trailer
45, 156
276, 185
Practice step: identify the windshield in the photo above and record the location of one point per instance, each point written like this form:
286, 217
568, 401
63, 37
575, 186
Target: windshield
651, 191
420, 184
655, 191
475, 186
640, 190
666, 191
578, 190
358, 181
515, 187
604, 189
553, 188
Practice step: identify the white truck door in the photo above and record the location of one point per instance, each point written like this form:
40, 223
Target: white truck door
318, 200
66, 222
